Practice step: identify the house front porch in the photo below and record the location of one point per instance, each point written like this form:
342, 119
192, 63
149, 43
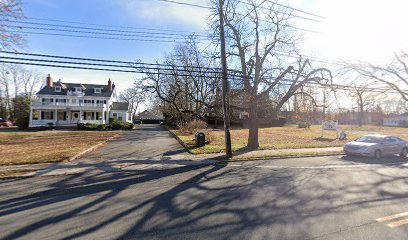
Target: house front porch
46, 117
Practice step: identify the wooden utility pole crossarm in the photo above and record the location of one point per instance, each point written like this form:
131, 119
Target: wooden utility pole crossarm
225, 86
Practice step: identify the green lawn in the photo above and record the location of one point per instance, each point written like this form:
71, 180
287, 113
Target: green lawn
287, 137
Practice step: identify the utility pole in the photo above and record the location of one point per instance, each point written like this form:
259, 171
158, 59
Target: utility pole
225, 86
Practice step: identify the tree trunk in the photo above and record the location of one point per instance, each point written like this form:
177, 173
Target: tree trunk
361, 118
253, 143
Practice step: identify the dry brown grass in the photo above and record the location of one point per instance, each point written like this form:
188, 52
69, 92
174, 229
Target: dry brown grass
288, 137
18, 147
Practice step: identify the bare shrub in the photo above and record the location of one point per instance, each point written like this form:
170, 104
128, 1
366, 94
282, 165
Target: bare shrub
192, 127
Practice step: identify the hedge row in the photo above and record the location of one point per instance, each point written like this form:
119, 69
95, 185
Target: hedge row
102, 127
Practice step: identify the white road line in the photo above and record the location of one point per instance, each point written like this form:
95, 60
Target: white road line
398, 223
392, 217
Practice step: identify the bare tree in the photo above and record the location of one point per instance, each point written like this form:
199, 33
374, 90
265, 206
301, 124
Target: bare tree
364, 98
10, 10
394, 75
188, 85
134, 96
258, 32
31, 80
5, 82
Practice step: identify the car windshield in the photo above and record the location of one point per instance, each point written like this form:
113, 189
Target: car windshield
370, 139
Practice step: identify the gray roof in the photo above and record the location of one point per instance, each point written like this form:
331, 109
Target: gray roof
149, 115
87, 88
120, 106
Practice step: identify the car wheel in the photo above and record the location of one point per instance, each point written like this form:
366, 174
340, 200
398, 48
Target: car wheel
404, 152
377, 154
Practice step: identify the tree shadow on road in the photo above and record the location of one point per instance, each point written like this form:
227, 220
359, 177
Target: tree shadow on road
214, 201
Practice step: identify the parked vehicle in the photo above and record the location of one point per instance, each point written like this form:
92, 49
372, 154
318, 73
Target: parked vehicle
5, 123
377, 146
137, 122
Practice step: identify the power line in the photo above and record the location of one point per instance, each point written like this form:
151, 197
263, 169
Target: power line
285, 82
273, 2
211, 8
153, 32
103, 60
163, 36
297, 9
95, 37
186, 4
106, 25
285, 13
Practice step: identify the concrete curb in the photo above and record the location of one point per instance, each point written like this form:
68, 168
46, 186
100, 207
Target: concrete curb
178, 140
278, 157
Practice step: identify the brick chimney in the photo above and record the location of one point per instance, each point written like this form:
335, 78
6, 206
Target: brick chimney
110, 88
49, 81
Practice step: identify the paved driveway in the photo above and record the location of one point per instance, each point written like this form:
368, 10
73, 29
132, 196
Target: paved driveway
147, 142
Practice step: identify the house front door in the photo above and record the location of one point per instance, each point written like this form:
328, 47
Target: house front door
74, 117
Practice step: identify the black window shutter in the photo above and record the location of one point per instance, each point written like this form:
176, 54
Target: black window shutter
52, 115
42, 115
97, 115
43, 99
52, 99
93, 115
65, 116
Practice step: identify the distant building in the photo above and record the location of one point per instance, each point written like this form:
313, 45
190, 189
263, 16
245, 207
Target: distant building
149, 117
68, 104
396, 120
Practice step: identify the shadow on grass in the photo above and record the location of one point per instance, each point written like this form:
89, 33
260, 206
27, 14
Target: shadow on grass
323, 139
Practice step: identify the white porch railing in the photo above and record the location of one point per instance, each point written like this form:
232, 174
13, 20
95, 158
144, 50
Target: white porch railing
63, 123
67, 104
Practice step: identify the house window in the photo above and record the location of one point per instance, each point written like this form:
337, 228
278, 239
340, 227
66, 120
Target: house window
60, 100
47, 101
57, 89
74, 101
36, 114
62, 116
129, 117
89, 116
98, 90
78, 89
47, 115
120, 117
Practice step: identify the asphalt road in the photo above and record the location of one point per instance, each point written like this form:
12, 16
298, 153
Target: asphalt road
300, 198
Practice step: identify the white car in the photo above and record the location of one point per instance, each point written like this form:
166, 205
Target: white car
377, 146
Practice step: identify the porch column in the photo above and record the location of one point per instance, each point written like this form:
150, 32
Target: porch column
30, 121
80, 115
55, 117
103, 116
107, 117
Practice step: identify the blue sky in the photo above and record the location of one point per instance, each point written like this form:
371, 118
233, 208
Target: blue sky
127, 13
367, 30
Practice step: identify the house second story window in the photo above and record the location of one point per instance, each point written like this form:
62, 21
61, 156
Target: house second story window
57, 89
78, 89
98, 90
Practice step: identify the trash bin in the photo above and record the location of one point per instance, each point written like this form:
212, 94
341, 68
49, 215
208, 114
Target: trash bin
200, 139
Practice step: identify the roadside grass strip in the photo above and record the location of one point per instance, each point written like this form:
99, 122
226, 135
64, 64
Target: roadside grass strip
395, 220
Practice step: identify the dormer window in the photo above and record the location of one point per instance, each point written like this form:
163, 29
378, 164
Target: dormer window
98, 90
57, 89
78, 89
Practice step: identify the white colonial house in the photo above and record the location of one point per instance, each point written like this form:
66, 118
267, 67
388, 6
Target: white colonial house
68, 104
